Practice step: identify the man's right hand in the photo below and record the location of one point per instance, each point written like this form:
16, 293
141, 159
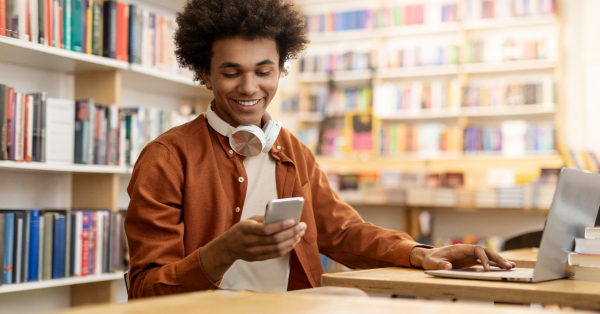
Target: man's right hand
249, 240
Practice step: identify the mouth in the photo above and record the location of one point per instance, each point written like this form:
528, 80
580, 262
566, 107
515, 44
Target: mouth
247, 103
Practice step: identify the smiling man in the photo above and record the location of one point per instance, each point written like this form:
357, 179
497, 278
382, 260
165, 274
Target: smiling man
198, 193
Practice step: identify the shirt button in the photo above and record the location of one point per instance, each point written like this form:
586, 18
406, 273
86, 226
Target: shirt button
278, 147
237, 209
231, 151
241, 179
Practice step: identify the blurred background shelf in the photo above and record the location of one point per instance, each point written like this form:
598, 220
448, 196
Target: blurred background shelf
436, 70
28, 286
7, 165
508, 110
508, 66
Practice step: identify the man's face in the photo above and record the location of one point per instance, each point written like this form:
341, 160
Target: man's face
244, 78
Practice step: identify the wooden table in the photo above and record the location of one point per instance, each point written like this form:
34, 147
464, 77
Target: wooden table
524, 258
414, 282
265, 303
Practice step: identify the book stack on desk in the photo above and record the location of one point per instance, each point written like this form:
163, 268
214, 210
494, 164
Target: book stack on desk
586, 258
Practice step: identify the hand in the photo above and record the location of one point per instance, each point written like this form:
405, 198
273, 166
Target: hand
457, 256
249, 240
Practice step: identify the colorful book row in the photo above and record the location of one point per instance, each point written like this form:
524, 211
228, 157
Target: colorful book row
42, 245
501, 50
111, 29
424, 138
498, 94
389, 98
350, 61
488, 9
512, 137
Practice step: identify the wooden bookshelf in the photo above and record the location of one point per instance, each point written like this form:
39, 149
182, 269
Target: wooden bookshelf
28, 286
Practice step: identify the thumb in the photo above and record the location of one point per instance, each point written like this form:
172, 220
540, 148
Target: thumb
440, 264
259, 219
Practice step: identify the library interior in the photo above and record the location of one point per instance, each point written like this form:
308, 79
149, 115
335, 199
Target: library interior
434, 155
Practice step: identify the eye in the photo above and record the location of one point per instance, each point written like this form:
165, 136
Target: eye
263, 73
232, 75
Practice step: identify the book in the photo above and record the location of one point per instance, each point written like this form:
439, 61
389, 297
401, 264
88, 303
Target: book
81, 131
77, 29
134, 34
99, 238
578, 259
592, 233
10, 122
34, 246
68, 250
42, 127
58, 252
41, 242
48, 245
60, 130
67, 23
106, 242
1, 244
587, 273
72, 242
34, 21
23, 20
96, 28
110, 29
42, 20
3, 119
9, 240
36, 148
18, 247
91, 133
85, 243
2, 19
587, 246
26, 243
122, 31
28, 126
77, 248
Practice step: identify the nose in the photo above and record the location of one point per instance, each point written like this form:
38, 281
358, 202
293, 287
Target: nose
248, 85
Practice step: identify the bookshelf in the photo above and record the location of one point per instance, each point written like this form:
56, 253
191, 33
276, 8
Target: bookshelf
60, 282
32, 67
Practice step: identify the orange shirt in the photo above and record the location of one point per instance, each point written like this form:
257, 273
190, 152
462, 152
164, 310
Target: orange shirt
185, 190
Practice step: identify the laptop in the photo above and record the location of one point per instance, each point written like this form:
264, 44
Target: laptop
574, 207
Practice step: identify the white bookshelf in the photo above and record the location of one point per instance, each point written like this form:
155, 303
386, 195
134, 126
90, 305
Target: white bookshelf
8, 165
30, 54
345, 76
59, 282
508, 66
310, 77
421, 71
33, 55
509, 110
511, 22
422, 115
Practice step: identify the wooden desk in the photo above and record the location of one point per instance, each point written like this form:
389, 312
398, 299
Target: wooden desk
266, 303
524, 258
414, 282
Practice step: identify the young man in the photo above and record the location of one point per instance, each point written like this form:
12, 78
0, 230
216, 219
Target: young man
195, 217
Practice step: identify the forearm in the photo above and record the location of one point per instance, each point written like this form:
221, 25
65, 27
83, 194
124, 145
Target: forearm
215, 259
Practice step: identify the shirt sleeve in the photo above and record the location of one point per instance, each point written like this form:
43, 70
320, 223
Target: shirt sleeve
342, 234
159, 263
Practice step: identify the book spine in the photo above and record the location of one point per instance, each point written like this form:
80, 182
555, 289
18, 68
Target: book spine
88, 26
78, 243
133, 33
96, 28
72, 244
2, 17
9, 234
43, 123
4, 104
29, 128
67, 244
42, 16
34, 246
48, 241
34, 21
76, 30
79, 112
110, 29
40, 248
67, 23
58, 253
1, 246
106, 242
92, 241
37, 123
84, 25
49, 22
99, 236
18, 248
85, 244
26, 239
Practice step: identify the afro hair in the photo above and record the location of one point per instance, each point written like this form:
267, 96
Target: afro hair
202, 22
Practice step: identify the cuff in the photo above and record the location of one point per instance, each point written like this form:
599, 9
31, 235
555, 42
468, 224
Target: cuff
403, 250
192, 275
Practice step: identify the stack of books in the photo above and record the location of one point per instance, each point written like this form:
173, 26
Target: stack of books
586, 258
51, 244
412, 98
403, 57
485, 198
349, 61
487, 9
511, 197
342, 101
112, 29
499, 94
427, 139
493, 49
512, 138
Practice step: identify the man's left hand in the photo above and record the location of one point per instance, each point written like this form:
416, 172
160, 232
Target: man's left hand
457, 256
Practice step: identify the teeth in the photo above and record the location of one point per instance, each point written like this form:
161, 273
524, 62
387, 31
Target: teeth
247, 103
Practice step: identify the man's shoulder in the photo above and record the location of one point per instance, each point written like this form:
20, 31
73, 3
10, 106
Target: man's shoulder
182, 138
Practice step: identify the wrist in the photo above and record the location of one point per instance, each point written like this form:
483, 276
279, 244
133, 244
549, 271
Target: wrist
215, 259
417, 254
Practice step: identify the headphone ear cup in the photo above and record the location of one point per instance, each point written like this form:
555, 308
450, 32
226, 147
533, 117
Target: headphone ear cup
271, 130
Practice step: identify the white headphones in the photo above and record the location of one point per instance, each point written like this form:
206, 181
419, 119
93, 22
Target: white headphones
246, 140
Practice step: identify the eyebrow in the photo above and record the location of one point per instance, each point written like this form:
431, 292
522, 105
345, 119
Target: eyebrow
228, 64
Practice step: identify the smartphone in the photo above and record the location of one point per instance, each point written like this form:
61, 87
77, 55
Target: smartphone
283, 209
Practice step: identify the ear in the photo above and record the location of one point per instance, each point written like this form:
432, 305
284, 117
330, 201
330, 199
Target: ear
206, 78
280, 72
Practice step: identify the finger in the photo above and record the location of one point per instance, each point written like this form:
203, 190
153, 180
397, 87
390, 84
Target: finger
274, 250
282, 236
278, 226
481, 254
499, 259
259, 219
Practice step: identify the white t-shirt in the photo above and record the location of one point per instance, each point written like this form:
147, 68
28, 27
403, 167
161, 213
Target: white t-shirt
270, 275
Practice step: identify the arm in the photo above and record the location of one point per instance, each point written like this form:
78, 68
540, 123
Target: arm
154, 227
